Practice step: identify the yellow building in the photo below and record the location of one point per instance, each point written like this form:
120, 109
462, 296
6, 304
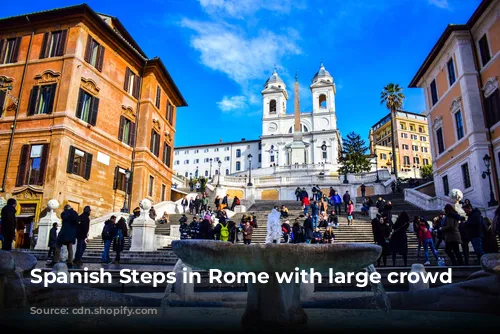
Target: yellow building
412, 143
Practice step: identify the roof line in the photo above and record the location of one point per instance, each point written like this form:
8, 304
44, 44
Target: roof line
217, 144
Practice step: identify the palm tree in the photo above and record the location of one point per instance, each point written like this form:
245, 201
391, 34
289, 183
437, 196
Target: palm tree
393, 98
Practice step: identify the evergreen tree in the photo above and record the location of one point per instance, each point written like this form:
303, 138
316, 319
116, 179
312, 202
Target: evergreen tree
355, 161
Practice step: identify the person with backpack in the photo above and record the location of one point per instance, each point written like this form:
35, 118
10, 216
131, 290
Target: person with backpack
222, 230
184, 230
119, 235
107, 238
474, 227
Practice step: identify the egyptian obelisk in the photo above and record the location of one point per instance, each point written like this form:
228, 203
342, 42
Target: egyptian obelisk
298, 146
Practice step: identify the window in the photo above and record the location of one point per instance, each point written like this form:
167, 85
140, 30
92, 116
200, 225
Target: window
176, 153
322, 101
426, 162
186, 174
238, 165
421, 129
406, 160
414, 147
451, 71
205, 150
196, 161
465, 175
412, 127
186, 152
272, 107
9, 50
216, 172
216, 149
206, 173
227, 158
492, 107
260, 157
238, 153
272, 158
87, 108
177, 162
402, 125
94, 53
3, 96
32, 165
167, 154
446, 186
260, 146
170, 113
186, 162
126, 132
53, 44
383, 156
120, 180
226, 148
216, 159
404, 135
424, 149
324, 154
79, 162
303, 128
414, 137
42, 99
151, 185
423, 138
154, 145
163, 190
459, 124
416, 160
132, 83
434, 94
227, 171
484, 50
158, 97
196, 151
206, 160
405, 147
439, 139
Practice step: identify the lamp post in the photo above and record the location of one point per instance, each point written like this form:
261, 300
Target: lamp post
249, 184
414, 171
487, 163
127, 177
218, 176
376, 166
344, 157
392, 165
210, 174
323, 148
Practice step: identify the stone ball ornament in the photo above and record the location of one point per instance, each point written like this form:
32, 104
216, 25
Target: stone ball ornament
53, 204
145, 204
456, 195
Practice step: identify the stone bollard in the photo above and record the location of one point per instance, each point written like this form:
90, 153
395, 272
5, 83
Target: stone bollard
418, 268
144, 239
45, 224
183, 289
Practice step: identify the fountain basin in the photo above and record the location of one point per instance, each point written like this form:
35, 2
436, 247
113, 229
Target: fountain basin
275, 303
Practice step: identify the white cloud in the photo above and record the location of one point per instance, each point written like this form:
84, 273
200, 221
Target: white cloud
233, 103
240, 8
439, 3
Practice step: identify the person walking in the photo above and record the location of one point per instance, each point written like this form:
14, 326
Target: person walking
247, 233
382, 231
398, 240
191, 206
52, 241
9, 224
346, 198
67, 235
474, 229
197, 204
425, 237
204, 202
184, 204
451, 233
298, 192
337, 203
305, 204
119, 235
107, 238
350, 213
82, 232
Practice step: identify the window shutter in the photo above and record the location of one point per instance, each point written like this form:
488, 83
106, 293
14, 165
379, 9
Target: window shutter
169, 156
100, 58
15, 54
88, 165
2, 41
115, 182
50, 103
120, 129
151, 142
43, 164
157, 147
95, 109
23, 166
33, 100
79, 106
129, 184
87, 49
127, 79
62, 43
3, 94
71, 158
43, 50
137, 82
132, 130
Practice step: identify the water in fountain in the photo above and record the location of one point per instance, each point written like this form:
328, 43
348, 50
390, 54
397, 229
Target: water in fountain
21, 282
381, 300
165, 301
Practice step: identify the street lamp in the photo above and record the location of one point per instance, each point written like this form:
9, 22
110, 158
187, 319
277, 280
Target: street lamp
218, 176
127, 177
344, 157
414, 171
210, 174
249, 184
487, 163
392, 165
323, 148
376, 166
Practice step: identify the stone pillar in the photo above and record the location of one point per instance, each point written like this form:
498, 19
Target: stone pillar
250, 193
45, 224
144, 239
175, 233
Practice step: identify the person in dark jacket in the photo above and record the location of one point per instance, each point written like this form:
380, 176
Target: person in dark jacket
194, 228
308, 229
184, 230
333, 220
67, 235
314, 214
387, 213
107, 238
119, 235
204, 229
474, 229
380, 204
398, 239
224, 203
451, 234
382, 232
346, 198
286, 229
191, 206
197, 204
232, 231
247, 233
317, 237
82, 232
52, 241
9, 224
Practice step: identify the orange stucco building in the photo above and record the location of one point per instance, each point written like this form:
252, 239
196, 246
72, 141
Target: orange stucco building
460, 82
80, 104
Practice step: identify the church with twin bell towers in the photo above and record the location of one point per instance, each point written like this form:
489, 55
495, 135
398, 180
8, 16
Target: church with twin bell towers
301, 138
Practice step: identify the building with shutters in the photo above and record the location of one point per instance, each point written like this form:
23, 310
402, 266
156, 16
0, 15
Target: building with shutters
460, 82
81, 103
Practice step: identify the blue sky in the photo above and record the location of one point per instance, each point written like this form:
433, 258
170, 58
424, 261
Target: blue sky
220, 53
